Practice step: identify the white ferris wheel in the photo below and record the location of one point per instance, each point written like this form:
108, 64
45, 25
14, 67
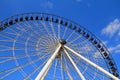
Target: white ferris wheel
42, 46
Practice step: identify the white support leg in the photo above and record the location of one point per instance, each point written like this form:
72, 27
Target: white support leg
92, 64
46, 72
78, 71
43, 73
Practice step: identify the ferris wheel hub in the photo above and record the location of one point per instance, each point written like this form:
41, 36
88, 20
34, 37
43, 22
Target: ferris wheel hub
62, 41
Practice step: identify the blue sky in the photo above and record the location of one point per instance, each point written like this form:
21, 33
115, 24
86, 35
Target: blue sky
101, 17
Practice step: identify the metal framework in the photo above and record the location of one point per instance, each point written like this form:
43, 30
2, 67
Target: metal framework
43, 46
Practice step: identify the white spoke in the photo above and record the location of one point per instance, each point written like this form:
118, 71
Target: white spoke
67, 69
28, 76
62, 75
64, 32
45, 27
10, 58
4, 61
93, 64
56, 64
70, 35
78, 71
53, 30
58, 30
70, 77
79, 43
28, 25
9, 73
75, 39
23, 65
46, 67
10, 28
26, 30
7, 37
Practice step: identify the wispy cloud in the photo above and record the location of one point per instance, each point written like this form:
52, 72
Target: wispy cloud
47, 4
115, 49
119, 33
112, 28
105, 42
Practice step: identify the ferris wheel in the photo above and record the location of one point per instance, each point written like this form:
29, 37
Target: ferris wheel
42, 46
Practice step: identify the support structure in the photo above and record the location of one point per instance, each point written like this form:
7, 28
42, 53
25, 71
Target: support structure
78, 71
92, 64
46, 68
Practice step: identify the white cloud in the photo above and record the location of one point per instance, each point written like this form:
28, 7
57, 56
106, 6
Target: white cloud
105, 42
119, 33
47, 4
111, 49
115, 49
112, 28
